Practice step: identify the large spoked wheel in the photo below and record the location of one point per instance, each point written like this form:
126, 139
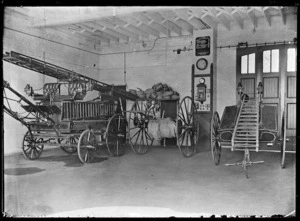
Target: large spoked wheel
214, 138
283, 141
32, 148
116, 135
186, 129
69, 145
87, 145
139, 116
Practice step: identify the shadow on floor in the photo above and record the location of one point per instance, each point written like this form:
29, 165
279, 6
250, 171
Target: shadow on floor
70, 160
22, 171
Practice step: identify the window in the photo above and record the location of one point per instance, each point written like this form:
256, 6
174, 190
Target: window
271, 61
291, 59
248, 64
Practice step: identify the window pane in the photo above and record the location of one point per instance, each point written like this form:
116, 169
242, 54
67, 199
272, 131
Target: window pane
291, 59
252, 63
275, 60
266, 61
244, 64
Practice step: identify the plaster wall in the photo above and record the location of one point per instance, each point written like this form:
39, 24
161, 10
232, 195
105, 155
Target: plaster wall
139, 67
20, 37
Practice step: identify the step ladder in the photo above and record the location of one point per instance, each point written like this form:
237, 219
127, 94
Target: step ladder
246, 131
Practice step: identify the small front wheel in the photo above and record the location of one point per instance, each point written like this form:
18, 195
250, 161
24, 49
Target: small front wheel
32, 148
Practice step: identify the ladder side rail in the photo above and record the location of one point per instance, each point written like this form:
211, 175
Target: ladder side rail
14, 115
34, 107
257, 123
62, 73
236, 124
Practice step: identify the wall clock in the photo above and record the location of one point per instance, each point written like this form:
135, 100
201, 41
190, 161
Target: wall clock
201, 64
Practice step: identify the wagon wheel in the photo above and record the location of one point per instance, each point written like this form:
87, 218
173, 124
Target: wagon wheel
70, 145
186, 129
31, 147
214, 138
283, 141
87, 146
139, 116
116, 135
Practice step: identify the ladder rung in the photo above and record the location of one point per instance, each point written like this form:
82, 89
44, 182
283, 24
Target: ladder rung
250, 123
245, 137
245, 144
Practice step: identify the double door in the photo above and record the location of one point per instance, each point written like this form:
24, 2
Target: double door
275, 67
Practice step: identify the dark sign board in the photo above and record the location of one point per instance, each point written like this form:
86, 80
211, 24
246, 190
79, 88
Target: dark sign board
202, 46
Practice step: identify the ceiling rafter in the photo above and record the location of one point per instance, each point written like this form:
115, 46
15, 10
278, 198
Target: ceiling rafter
198, 14
252, 19
117, 28
149, 22
74, 30
183, 14
282, 14
83, 14
172, 16
142, 26
132, 28
98, 32
171, 26
76, 35
237, 18
107, 30
232, 14
209, 13
224, 21
266, 14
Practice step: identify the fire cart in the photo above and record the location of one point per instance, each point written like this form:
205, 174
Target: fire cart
60, 117
245, 126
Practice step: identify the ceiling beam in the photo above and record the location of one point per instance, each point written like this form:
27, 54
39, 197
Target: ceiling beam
69, 34
139, 24
128, 26
282, 14
194, 21
117, 28
78, 34
160, 28
212, 18
172, 16
95, 31
108, 31
266, 14
85, 32
223, 20
171, 26
252, 19
232, 15
57, 16
149, 22
237, 18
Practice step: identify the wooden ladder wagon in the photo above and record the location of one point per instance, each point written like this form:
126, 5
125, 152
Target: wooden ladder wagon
64, 119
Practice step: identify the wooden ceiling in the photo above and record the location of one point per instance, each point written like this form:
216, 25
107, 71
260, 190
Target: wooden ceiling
113, 25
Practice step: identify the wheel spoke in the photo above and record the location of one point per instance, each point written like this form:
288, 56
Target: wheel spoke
137, 137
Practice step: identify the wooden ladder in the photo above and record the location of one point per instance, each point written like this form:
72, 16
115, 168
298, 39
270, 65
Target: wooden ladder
246, 131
